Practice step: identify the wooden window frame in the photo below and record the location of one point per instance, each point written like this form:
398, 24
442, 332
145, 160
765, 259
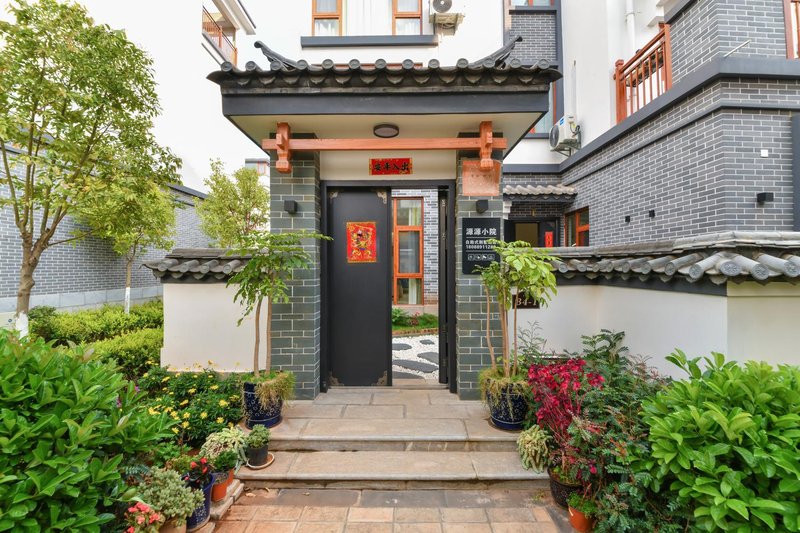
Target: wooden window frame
406, 15
579, 229
531, 3
792, 32
320, 16
262, 168
396, 274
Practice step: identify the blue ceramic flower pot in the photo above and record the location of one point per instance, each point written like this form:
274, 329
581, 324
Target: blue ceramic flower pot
200, 516
255, 414
508, 411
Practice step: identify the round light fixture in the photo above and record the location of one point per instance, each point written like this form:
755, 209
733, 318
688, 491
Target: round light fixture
386, 131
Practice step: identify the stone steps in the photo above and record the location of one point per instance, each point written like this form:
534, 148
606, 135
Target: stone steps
390, 470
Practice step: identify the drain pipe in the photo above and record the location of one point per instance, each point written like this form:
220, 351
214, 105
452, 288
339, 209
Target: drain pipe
630, 24
796, 170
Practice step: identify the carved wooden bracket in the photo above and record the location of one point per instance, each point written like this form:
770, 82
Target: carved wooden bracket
285, 145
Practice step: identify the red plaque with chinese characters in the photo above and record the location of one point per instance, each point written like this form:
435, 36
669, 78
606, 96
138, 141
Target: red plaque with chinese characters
362, 242
479, 182
390, 167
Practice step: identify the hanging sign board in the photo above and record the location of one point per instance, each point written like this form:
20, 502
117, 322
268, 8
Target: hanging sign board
479, 182
475, 250
390, 167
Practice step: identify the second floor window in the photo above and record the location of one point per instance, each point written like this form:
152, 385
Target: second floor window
367, 17
577, 227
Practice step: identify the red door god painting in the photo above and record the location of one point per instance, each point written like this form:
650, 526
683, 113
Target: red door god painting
361, 242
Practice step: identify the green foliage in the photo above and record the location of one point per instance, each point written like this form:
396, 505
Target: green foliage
582, 503
224, 461
134, 352
725, 442
258, 437
168, 494
97, 324
224, 440
400, 317
79, 100
41, 321
521, 271
235, 207
66, 423
411, 323
495, 386
180, 464
533, 449
273, 387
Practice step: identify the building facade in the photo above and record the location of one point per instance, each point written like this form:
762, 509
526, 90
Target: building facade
668, 197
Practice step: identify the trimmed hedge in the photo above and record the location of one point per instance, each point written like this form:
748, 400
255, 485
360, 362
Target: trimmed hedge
135, 352
94, 324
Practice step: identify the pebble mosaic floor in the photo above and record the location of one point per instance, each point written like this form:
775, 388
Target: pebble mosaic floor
416, 357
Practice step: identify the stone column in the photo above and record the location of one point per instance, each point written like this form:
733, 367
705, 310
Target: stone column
296, 324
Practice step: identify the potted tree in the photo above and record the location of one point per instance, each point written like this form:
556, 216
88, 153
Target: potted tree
167, 493
258, 447
271, 260
522, 273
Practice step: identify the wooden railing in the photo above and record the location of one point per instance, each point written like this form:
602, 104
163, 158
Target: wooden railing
793, 28
214, 32
645, 76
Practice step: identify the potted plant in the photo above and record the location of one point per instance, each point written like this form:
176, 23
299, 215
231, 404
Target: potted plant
258, 447
521, 274
167, 493
200, 477
272, 259
223, 440
533, 448
582, 509
222, 467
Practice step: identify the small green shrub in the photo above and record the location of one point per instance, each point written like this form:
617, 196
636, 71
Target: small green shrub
168, 494
41, 321
135, 352
97, 324
227, 439
258, 437
66, 423
725, 443
399, 317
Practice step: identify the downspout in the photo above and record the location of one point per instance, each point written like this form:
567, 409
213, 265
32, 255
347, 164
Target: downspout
796, 171
630, 24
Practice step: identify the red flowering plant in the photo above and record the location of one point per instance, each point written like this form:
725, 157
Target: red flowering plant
560, 389
199, 474
141, 518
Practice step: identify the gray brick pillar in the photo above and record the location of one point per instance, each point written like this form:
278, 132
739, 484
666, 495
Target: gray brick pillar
296, 325
471, 348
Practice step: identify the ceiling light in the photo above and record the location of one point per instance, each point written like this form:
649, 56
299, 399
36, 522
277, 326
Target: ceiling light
386, 131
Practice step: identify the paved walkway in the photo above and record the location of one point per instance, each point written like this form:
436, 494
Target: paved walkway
416, 357
411, 511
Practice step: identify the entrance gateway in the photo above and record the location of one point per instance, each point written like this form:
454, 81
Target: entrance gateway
319, 123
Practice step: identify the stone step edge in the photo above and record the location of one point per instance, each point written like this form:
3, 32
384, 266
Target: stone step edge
378, 476
511, 437
235, 490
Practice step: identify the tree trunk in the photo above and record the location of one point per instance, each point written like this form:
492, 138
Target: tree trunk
269, 335
488, 328
30, 258
515, 367
504, 331
258, 338
128, 269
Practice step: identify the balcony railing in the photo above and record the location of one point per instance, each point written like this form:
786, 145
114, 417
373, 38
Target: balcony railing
793, 28
212, 30
645, 76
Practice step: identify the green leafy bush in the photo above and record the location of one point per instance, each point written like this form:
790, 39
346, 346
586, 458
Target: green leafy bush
166, 491
66, 423
399, 317
135, 352
96, 324
725, 442
41, 321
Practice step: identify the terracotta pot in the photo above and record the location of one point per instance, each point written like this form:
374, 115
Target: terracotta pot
221, 482
170, 527
580, 521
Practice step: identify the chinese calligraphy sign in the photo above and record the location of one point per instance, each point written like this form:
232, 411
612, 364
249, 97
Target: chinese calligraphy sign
476, 251
362, 242
478, 182
390, 167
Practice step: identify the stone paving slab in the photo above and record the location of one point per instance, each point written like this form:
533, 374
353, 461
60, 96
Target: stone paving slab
419, 366
384, 430
433, 357
377, 412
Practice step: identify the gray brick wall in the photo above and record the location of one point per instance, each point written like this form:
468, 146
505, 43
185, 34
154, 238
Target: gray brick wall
87, 272
538, 31
296, 325
430, 198
711, 28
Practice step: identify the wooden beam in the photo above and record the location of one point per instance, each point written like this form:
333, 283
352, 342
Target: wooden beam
283, 139
345, 145
487, 144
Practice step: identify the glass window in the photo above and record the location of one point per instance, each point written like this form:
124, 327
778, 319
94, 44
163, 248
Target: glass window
546, 122
326, 27
531, 2
409, 291
577, 226
409, 212
407, 26
408, 253
407, 6
326, 6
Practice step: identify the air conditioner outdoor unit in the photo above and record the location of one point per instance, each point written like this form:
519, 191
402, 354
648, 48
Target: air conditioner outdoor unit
565, 135
447, 13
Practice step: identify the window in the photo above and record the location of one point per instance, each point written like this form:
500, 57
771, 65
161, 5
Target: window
327, 17
408, 251
367, 17
577, 225
532, 2
262, 167
546, 122
792, 14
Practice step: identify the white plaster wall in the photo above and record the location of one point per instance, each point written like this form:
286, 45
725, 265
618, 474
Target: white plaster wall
427, 165
763, 322
533, 151
191, 123
200, 326
281, 24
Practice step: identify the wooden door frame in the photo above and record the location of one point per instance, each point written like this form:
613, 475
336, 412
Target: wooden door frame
450, 187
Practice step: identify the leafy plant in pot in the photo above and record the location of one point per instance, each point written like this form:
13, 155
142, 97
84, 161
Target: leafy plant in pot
533, 449
223, 466
582, 509
225, 450
522, 273
272, 259
258, 447
200, 477
168, 494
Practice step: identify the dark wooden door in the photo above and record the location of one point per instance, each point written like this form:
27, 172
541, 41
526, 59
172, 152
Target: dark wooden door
359, 287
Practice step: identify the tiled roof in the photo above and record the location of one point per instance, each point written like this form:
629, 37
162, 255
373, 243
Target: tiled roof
197, 264
494, 70
720, 257
539, 190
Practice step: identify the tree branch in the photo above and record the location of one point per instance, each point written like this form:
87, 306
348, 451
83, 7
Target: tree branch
73, 238
10, 181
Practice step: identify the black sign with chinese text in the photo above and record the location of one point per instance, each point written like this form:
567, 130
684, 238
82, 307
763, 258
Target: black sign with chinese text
475, 250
